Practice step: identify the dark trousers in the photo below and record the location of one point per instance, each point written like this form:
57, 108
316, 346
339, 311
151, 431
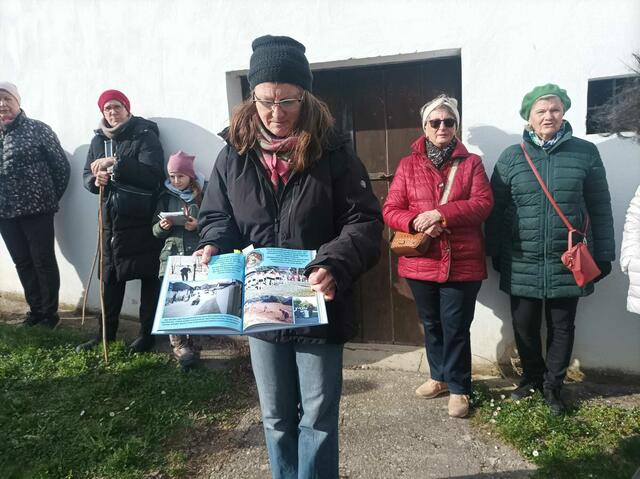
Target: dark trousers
560, 315
30, 241
113, 298
446, 311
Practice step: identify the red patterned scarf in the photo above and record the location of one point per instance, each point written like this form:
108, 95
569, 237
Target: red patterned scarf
275, 155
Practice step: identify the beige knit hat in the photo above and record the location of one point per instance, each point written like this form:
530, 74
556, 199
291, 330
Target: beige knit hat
11, 89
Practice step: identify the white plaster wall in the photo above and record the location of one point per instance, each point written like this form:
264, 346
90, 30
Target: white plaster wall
171, 58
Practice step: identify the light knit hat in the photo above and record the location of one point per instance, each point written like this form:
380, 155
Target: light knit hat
439, 102
181, 163
11, 89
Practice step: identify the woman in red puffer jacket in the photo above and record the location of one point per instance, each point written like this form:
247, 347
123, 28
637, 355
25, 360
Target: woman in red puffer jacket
446, 280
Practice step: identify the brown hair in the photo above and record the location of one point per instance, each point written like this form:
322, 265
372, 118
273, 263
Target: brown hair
197, 191
312, 129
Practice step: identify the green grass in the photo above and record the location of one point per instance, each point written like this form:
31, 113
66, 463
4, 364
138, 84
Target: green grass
68, 415
591, 441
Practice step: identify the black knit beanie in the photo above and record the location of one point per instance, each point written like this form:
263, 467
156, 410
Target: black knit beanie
279, 60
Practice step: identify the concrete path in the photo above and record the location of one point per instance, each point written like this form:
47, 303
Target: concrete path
385, 432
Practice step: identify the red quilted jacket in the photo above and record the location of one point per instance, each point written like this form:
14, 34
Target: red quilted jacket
417, 187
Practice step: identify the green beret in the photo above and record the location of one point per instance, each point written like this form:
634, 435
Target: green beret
543, 90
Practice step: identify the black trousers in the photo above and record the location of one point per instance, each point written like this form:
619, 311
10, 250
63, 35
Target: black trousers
446, 311
113, 298
560, 315
30, 241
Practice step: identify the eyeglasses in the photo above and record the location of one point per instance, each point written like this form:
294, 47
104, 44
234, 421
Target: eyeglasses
113, 108
448, 123
288, 104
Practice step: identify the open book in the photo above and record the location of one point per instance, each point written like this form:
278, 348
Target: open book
260, 290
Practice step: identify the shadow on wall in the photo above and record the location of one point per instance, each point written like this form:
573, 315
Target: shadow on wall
492, 141
177, 134
76, 224
606, 334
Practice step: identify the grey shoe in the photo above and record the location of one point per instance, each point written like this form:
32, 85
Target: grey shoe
92, 343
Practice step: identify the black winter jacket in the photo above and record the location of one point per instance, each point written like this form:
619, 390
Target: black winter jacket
34, 170
131, 250
330, 207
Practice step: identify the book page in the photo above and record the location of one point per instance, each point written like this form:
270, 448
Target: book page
201, 300
178, 218
277, 294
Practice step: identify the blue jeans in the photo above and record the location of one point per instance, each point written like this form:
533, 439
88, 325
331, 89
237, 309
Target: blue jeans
299, 387
446, 311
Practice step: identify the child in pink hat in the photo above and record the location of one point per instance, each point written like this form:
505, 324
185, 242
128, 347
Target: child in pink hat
182, 193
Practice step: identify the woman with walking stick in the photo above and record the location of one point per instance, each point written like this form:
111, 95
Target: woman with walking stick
125, 159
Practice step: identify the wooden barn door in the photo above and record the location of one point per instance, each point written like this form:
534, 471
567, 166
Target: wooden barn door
379, 106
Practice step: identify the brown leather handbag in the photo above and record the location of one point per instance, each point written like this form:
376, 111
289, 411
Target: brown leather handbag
410, 244
417, 244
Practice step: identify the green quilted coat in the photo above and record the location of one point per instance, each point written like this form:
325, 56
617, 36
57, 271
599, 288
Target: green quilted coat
525, 231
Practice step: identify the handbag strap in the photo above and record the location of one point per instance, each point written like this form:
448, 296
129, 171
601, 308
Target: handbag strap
551, 200
450, 177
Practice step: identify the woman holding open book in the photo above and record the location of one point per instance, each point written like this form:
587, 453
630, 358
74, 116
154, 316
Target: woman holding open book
442, 190
287, 179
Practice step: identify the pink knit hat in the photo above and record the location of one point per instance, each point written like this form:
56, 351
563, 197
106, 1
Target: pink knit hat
182, 163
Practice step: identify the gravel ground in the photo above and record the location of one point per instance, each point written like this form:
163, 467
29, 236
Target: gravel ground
385, 432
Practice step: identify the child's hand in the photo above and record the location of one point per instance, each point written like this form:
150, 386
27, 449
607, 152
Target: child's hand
191, 224
166, 224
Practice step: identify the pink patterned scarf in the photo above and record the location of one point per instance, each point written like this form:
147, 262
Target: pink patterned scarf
275, 155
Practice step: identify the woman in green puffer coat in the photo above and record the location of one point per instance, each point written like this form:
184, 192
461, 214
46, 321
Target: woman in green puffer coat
182, 193
526, 237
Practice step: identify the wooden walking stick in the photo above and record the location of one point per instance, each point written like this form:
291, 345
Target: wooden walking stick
105, 346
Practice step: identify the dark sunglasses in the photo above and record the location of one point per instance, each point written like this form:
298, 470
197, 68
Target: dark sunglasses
448, 123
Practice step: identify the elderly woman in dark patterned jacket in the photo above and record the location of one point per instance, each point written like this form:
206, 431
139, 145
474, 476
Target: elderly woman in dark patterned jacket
126, 158
34, 172
526, 237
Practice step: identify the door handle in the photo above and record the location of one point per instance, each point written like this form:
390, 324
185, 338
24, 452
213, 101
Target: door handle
380, 176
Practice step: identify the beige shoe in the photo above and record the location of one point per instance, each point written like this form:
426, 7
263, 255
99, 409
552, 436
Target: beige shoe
432, 389
458, 405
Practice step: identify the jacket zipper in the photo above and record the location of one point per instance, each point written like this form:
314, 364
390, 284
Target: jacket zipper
546, 227
292, 202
